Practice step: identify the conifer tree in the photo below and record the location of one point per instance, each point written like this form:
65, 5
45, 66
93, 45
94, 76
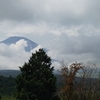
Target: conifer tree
36, 80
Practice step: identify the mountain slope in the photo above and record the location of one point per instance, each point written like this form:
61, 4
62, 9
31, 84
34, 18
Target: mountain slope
14, 39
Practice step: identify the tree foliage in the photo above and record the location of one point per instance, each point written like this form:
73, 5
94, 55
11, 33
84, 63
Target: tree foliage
7, 85
36, 80
80, 82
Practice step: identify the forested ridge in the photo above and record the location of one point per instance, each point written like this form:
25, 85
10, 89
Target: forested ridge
8, 73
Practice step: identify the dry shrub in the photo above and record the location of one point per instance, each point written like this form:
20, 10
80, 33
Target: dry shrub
80, 82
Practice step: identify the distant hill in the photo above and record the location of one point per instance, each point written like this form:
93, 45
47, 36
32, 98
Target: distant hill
14, 73
12, 40
8, 73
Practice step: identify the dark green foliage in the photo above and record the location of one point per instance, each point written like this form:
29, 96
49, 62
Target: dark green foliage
36, 81
7, 97
7, 85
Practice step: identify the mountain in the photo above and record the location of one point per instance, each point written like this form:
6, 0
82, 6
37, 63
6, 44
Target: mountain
14, 39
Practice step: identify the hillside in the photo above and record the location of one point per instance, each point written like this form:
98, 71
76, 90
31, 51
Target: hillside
8, 73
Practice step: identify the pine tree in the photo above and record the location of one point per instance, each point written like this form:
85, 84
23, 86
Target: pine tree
36, 80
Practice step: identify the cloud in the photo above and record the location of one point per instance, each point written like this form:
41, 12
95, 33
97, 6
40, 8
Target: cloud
82, 48
62, 12
36, 49
43, 17
13, 55
76, 48
70, 29
20, 45
10, 10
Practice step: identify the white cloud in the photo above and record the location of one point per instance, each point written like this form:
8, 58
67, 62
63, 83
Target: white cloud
36, 49
20, 45
13, 55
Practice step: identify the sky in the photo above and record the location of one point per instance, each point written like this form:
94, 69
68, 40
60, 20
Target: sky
70, 29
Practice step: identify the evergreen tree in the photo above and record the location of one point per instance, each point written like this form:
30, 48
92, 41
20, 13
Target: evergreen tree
36, 80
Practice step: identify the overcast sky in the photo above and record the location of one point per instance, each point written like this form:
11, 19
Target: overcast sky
70, 29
